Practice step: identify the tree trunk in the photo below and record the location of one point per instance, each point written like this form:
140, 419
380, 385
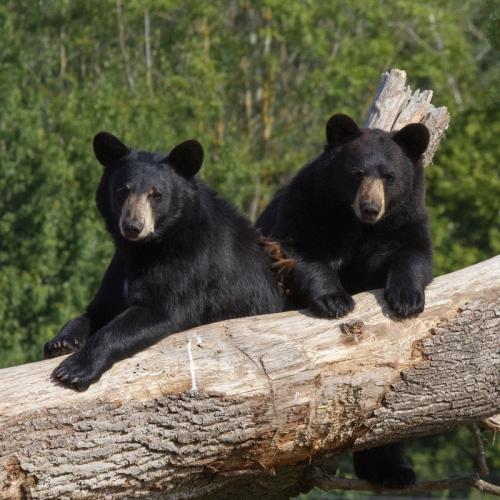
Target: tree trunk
192, 415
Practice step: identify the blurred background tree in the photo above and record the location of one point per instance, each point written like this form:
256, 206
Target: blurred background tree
255, 81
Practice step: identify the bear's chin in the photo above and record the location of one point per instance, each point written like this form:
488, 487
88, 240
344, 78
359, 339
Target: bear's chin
370, 221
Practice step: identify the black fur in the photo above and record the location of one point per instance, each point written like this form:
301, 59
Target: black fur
337, 254
202, 264
385, 465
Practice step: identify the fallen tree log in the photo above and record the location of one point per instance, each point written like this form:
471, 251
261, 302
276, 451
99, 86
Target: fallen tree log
191, 415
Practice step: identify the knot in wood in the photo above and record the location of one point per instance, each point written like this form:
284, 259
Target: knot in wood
352, 330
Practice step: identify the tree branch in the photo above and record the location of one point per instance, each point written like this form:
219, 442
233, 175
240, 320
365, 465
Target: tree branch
464, 481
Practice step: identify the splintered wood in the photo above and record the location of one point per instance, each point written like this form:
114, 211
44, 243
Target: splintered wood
395, 106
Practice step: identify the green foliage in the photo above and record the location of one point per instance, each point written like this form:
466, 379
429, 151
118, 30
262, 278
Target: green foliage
255, 82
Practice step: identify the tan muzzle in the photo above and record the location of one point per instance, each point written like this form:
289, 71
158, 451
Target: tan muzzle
369, 204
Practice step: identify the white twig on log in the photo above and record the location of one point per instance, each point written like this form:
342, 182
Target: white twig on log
273, 390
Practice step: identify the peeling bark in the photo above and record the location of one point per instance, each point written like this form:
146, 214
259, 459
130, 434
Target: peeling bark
273, 391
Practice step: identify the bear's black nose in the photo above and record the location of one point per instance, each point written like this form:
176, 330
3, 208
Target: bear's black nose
132, 229
370, 210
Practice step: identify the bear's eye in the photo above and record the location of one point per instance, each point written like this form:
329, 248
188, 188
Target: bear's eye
122, 193
358, 174
390, 177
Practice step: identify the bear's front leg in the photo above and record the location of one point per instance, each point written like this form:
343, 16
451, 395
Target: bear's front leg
70, 338
409, 274
107, 303
132, 331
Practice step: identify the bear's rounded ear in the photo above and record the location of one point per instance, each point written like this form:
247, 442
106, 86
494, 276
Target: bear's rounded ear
108, 148
414, 139
186, 158
341, 128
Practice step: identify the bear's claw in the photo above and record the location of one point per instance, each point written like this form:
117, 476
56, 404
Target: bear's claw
405, 302
332, 305
76, 372
72, 336
59, 346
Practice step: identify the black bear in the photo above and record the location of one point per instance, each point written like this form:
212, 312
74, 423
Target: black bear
354, 219
183, 257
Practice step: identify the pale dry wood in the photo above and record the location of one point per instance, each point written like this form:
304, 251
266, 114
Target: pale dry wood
272, 390
492, 423
484, 486
395, 106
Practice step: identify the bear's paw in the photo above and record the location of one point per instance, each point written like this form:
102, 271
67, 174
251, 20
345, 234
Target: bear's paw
332, 305
77, 371
70, 338
405, 301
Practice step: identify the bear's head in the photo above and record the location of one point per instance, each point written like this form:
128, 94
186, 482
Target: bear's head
142, 194
373, 171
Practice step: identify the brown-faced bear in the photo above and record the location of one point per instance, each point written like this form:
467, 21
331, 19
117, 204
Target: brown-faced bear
354, 219
183, 257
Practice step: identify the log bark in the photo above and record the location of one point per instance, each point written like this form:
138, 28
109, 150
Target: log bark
194, 414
